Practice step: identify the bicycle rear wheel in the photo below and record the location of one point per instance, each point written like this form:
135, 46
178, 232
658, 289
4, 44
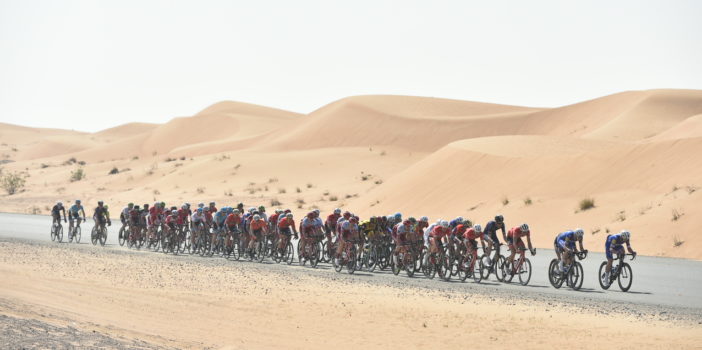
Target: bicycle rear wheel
93, 235
314, 254
289, 253
53, 232
260, 251
409, 264
554, 274
351, 264
59, 233
122, 237
626, 277
525, 272
478, 271
463, 267
103, 236
605, 284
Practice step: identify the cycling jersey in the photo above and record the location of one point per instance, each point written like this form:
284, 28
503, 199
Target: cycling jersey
197, 218
258, 225
56, 210
286, 223
565, 239
348, 229
614, 244
75, 209
472, 235
440, 232
491, 231
220, 217
233, 219
517, 233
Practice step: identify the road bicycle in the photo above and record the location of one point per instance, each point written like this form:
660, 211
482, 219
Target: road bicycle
522, 268
57, 231
622, 273
74, 233
98, 234
348, 258
572, 274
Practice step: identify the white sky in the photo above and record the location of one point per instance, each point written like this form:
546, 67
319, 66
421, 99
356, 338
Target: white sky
89, 65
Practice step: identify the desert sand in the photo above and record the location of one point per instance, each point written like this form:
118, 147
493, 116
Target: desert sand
636, 153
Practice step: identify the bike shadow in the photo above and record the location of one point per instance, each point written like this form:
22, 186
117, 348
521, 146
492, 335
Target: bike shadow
630, 292
589, 290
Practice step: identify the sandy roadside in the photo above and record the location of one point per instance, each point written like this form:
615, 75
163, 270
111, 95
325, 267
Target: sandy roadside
180, 302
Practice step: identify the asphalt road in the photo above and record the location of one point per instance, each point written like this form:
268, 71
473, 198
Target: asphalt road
660, 285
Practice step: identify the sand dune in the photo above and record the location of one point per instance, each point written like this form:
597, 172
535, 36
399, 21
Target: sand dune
636, 153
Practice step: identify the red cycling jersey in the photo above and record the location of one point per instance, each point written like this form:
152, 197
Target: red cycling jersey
233, 219
440, 232
472, 235
516, 233
285, 223
258, 225
332, 219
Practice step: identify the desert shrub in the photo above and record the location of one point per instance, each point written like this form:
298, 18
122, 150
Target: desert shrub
333, 198
505, 201
378, 182
200, 190
587, 203
12, 182
281, 190
44, 166
527, 201
275, 202
77, 175
113, 171
298, 190
309, 185
677, 242
676, 215
81, 162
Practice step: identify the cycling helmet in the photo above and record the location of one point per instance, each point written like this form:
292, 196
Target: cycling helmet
499, 218
206, 209
478, 228
287, 211
398, 216
459, 219
100, 203
199, 210
59, 203
579, 232
316, 211
289, 215
347, 214
212, 203
163, 204
184, 207
337, 211
625, 234
261, 208
407, 223
174, 208
354, 219
136, 207
174, 212
257, 217
78, 201
424, 219
235, 211
373, 219
444, 223
524, 228
412, 220
130, 205
310, 215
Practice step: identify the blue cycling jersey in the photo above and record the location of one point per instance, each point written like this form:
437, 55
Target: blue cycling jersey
491, 230
75, 209
219, 217
567, 238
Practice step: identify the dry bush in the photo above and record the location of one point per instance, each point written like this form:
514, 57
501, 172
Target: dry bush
13, 182
200, 190
621, 216
113, 171
527, 201
298, 190
677, 242
378, 182
77, 175
275, 202
505, 201
281, 190
333, 198
586, 203
676, 215
309, 185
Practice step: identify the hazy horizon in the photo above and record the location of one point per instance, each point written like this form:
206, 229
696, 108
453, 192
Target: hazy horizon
88, 65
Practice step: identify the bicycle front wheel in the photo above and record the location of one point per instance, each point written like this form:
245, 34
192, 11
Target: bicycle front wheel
604, 283
626, 277
576, 276
525, 272
76, 235
122, 236
93, 236
554, 274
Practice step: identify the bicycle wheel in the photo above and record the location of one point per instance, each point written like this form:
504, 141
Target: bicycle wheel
53, 232
93, 235
463, 268
395, 265
605, 284
260, 251
576, 276
444, 267
351, 264
122, 237
428, 266
507, 268
102, 237
485, 267
325, 252
408, 263
626, 277
314, 254
338, 266
289, 253
235, 250
554, 274
477, 272
525, 272
372, 260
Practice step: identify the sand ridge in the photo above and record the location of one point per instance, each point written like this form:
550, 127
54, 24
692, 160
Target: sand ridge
635, 153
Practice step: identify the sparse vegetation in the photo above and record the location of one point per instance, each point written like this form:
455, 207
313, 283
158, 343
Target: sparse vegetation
298, 190
169, 159
60, 190
607, 229
228, 193
378, 182
326, 193
12, 182
677, 242
300, 202
676, 215
135, 158
527, 201
309, 185
281, 190
621, 216
223, 157
383, 153
77, 175
236, 167
81, 163
34, 210
114, 171
586, 204
595, 230
200, 190
275, 202
100, 189
333, 198
272, 180
365, 177
691, 189
505, 201
156, 192
152, 169
44, 166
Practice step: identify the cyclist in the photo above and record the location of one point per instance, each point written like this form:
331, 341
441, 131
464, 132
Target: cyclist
400, 236
56, 213
427, 232
330, 223
514, 238
345, 217
184, 214
308, 227
213, 208
258, 227
490, 236
286, 227
233, 225
470, 236
262, 213
197, 222
124, 215
134, 221
438, 235
455, 222
102, 215
564, 245
614, 245
172, 223
347, 232
144, 217
74, 214
219, 218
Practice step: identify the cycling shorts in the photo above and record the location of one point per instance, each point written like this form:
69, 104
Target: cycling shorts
285, 231
617, 248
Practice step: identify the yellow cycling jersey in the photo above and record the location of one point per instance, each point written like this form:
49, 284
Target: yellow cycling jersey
369, 229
